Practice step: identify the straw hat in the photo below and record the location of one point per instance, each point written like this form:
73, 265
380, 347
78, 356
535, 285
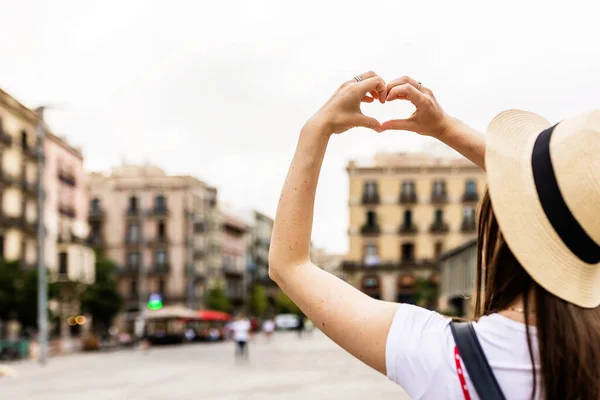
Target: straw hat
544, 183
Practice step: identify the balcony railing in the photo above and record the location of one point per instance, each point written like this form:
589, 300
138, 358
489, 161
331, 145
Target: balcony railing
370, 229
232, 270
158, 212
162, 268
391, 265
67, 178
133, 212
408, 229
159, 241
96, 241
408, 198
31, 152
5, 138
30, 188
439, 227
133, 240
439, 197
130, 269
470, 197
95, 214
370, 198
468, 226
8, 178
199, 254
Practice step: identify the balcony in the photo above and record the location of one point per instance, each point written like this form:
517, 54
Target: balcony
96, 241
160, 269
199, 254
470, 197
408, 229
439, 197
7, 178
66, 210
133, 241
67, 178
408, 198
5, 138
199, 227
95, 214
370, 198
129, 270
158, 212
439, 227
232, 271
160, 241
468, 226
132, 213
31, 152
422, 264
368, 230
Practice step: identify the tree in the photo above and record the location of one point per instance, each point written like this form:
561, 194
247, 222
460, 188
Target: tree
258, 301
285, 305
102, 299
427, 293
217, 300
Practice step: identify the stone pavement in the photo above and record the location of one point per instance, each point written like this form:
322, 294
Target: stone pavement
287, 368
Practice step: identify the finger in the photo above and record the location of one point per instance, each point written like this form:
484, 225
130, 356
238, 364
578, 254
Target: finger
367, 99
401, 81
374, 94
368, 122
408, 92
374, 84
399, 125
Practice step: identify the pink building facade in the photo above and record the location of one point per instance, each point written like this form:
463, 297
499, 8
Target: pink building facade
234, 246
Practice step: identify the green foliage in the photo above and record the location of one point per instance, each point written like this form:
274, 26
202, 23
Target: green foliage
427, 293
285, 305
217, 300
102, 299
258, 301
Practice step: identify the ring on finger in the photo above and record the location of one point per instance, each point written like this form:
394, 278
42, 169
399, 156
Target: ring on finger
419, 86
357, 78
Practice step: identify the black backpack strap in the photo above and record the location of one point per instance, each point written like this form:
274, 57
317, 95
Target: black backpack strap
474, 360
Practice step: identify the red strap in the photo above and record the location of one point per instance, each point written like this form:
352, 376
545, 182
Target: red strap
461, 375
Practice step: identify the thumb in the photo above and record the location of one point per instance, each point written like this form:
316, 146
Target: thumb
368, 122
399, 125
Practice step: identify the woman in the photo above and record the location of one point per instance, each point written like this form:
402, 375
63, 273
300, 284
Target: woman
538, 281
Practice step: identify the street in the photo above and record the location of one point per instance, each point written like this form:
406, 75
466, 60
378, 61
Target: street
286, 368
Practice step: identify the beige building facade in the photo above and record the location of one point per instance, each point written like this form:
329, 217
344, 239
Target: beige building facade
406, 209
167, 226
19, 155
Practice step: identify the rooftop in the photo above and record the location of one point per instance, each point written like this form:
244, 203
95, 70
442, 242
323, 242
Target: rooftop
421, 159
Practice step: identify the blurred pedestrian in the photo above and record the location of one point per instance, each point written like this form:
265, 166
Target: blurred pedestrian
268, 328
300, 326
308, 324
241, 335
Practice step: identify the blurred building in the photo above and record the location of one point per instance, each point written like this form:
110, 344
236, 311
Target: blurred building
67, 254
331, 263
18, 181
406, 209
457, 284
166, 225
259, 243
234, 237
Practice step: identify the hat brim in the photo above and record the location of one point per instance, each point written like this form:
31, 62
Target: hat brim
530, 236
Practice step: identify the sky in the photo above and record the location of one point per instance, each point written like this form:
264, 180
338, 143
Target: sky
220, 89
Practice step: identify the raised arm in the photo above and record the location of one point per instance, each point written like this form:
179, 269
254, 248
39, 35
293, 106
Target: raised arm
353, 320
430, 119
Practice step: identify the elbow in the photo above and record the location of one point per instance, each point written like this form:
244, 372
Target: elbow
274, 266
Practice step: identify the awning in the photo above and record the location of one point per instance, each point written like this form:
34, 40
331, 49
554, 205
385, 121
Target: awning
171, 312
211, 315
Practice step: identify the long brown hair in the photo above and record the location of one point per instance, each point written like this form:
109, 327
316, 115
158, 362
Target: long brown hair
568, 336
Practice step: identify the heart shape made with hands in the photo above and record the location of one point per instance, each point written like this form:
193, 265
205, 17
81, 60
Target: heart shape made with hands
401, 109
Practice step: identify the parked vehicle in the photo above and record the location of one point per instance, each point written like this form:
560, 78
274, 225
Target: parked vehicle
286, 321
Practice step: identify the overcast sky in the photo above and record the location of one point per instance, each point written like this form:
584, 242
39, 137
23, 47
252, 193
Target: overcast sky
219, 89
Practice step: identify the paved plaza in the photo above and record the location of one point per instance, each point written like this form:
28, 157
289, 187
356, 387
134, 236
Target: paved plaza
286, 368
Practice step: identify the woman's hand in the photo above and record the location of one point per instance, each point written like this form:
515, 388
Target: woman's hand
342, 111
428, 119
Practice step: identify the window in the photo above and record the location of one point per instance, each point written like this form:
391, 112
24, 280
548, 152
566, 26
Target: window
133, 288
133, 232
133, 258
439, 216
371, 218
161, 286
160, 202
160, 257
408, 187
133, 204
371, 255
408, 218
439, 188
24, 143
438, 248
468, 214
408, 252
62, 263
161, 230
370, 189
471, 188
95, 204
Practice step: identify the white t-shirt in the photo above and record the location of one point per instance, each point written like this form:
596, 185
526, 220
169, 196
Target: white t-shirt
240, 330
420, 355
268, 326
